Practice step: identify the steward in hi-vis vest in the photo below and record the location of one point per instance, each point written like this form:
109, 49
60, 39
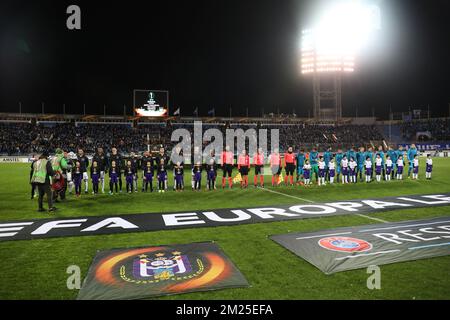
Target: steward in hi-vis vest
42, 171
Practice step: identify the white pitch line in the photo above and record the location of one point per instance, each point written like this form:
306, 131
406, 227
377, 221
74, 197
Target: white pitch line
324, 235
405, 226
306, 200
286, 195
372, 218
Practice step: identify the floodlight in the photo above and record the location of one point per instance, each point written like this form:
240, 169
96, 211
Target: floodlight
330, 47
341, 31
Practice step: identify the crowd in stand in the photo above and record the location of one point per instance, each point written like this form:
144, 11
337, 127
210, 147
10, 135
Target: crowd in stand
322, 135
439, 129
26, 138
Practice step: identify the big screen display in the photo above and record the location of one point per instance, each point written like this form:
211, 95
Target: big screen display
151, 103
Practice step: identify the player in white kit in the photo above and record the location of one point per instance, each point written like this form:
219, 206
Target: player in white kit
344, 166
389, 168
378, 167
400, 165
415, 175
332, 170
429, 167
321, 172
368, 165
352, 165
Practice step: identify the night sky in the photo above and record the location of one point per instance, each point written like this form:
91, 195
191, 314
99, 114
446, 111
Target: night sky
212, 54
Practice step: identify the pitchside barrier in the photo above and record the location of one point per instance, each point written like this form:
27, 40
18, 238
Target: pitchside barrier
28, 159
18, 159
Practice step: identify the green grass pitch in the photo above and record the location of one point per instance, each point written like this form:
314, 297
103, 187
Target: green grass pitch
36, 269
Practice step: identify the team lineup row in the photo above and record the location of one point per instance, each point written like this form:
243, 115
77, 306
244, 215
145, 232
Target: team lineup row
323, 166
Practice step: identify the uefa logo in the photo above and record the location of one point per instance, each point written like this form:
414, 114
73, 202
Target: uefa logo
345, 244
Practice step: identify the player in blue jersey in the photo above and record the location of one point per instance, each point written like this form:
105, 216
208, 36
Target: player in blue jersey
314, 162
327, 155
400, 153
351, 153
380, 153
339, 156
360, 159
301, 157
370, 154
392, 154
412, 152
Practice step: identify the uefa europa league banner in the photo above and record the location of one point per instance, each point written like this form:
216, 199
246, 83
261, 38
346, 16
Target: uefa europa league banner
137, 273
376, 244
125, 223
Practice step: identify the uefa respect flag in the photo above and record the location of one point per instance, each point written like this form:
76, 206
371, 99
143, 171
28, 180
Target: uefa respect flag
350, 248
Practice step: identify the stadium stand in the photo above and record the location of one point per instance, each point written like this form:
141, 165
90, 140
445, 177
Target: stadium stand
426, 130
33, 134
27, 134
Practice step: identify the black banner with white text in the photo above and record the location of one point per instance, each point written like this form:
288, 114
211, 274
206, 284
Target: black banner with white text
125, 223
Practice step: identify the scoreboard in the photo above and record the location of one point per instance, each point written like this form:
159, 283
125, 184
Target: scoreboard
151, 103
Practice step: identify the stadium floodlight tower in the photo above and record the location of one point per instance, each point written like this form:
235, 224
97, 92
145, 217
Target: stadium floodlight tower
329, 50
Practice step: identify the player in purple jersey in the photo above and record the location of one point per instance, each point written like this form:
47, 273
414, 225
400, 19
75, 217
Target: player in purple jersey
148, 176
118, 160
77, 177
162, 176
95, 177
114, 174
197, 170
178, 171
147, 168
211, 174
129, 176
